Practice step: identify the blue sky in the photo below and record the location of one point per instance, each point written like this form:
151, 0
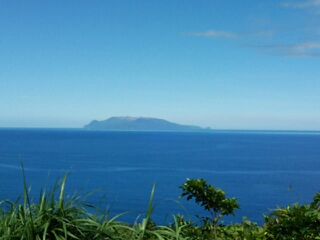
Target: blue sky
226, 64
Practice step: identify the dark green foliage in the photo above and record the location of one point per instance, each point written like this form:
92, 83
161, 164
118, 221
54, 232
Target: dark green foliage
243, 231
211, 199
246, 230
297, 222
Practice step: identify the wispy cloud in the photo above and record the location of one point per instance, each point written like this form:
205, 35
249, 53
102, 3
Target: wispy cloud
233, 35
306, 49
302, 4
267, 39
261, 34
215, 34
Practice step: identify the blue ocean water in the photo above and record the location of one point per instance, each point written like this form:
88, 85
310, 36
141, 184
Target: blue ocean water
116, 170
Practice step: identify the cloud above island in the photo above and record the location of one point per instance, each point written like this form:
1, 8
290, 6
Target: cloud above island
296, 39
302, 4
214, 34
261, 39
218, 34
306, 49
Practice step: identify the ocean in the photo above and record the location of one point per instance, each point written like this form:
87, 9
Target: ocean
115, 171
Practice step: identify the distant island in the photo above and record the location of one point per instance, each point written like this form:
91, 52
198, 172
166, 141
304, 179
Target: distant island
141, 124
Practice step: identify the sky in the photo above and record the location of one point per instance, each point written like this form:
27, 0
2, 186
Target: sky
225, 64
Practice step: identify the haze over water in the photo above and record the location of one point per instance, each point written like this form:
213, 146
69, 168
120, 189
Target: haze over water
262, 169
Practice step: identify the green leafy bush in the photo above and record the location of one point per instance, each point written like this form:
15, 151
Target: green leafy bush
297, 222
211, 199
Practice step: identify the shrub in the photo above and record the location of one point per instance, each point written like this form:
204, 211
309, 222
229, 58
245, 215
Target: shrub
210, 198
297, 222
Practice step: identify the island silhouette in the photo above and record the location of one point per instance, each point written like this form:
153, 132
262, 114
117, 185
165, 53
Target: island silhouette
141, 124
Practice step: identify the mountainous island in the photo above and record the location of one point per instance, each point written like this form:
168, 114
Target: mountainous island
140, 124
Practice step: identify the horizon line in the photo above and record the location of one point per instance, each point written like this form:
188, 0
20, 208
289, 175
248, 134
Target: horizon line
212, 130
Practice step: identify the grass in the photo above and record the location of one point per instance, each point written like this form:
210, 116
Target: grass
58, 218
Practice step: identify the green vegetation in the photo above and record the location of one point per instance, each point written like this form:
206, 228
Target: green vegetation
56, 217
212, 199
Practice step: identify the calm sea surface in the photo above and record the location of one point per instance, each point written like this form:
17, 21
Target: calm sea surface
116, 170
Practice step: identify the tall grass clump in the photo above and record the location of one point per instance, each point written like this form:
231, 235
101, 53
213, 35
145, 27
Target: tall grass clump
50, 218
56, 217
